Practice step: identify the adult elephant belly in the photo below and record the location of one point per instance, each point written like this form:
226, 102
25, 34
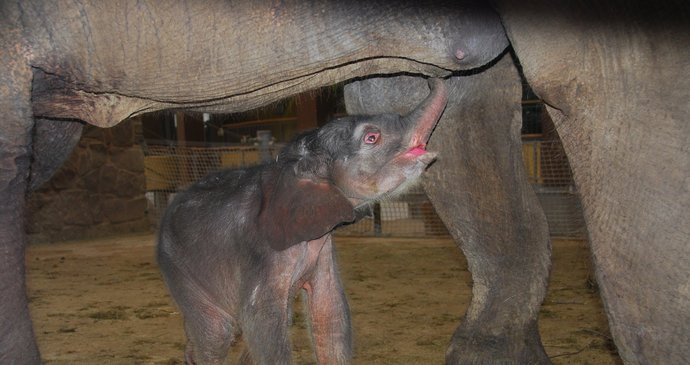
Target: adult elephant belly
54, 98
128, 57
479, 188
616, 84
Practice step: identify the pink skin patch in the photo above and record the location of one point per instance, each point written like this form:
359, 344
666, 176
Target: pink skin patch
417, 151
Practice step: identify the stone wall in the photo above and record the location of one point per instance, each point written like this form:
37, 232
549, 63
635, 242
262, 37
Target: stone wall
99, 191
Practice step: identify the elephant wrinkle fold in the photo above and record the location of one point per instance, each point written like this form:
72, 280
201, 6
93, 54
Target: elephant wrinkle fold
103, 110
236, 246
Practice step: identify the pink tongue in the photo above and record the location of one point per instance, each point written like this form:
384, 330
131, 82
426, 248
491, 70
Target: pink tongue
417, 151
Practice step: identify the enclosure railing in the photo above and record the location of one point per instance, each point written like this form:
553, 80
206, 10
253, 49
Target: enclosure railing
170, 168
549, 173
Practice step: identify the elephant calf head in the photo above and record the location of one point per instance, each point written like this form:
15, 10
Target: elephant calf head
370, 157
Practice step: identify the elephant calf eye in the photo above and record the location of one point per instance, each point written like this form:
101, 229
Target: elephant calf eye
371, 137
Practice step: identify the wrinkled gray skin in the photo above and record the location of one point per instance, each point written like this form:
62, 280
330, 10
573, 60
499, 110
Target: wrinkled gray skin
236, 247
614, 81
614, 75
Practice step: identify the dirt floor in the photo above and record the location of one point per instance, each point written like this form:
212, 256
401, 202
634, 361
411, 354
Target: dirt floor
103, 302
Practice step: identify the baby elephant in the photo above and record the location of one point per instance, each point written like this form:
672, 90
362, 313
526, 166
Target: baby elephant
236, 247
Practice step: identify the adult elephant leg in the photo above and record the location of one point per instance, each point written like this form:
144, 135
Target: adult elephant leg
53, 141
620, 106
17, 344
479, 188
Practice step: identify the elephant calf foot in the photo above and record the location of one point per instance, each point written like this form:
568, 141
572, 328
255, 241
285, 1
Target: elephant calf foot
478, 348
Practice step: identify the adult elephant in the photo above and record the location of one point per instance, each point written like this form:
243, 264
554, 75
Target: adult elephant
611, 74
613, 79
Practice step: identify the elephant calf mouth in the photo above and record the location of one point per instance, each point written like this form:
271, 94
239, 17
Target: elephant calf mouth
417, 150
419, 154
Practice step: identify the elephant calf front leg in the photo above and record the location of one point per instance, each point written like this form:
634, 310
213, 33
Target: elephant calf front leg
329, 313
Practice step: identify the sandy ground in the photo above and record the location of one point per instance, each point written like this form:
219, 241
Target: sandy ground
103, 302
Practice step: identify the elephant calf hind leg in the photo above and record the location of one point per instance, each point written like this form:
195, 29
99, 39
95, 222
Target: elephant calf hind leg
210, 330
210, 335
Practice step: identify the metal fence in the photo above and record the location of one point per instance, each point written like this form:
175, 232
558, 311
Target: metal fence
408, 215
549, 173
170, 168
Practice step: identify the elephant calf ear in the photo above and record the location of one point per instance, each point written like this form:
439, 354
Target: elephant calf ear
296, 210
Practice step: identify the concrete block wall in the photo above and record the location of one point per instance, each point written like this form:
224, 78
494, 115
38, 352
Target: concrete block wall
98, 192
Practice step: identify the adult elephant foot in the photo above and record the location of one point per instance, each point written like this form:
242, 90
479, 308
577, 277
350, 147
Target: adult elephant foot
479, 188
473, 346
